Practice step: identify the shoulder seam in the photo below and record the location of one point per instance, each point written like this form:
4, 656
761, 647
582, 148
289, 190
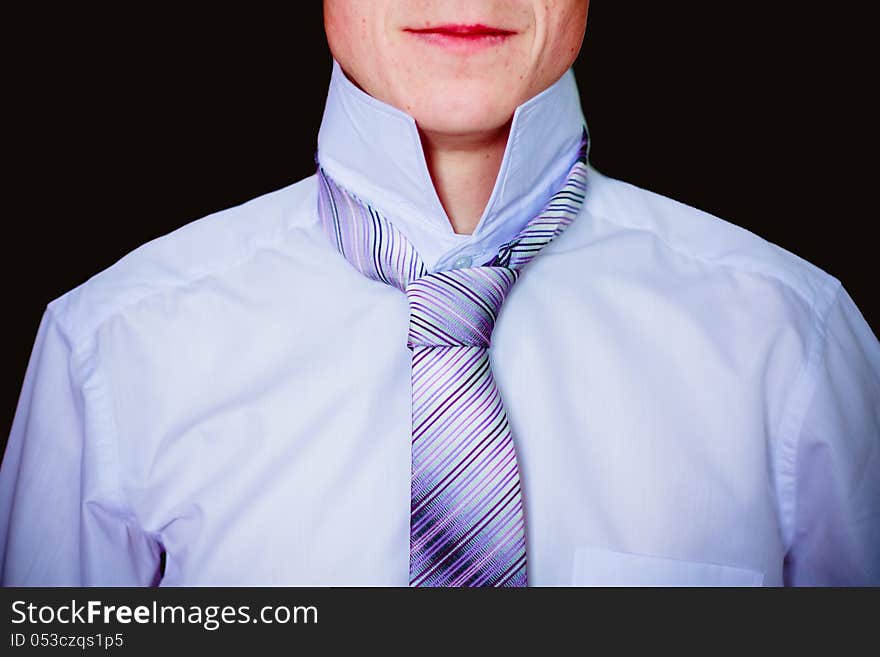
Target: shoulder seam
825, 276
101, 430
794, 414
828, 278
79, 337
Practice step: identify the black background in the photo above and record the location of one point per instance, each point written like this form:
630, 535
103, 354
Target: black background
124, 125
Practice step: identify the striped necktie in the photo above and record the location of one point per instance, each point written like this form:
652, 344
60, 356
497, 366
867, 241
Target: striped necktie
467, 524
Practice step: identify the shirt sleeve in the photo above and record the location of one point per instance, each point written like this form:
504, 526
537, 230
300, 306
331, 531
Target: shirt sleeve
63, 519
835, 527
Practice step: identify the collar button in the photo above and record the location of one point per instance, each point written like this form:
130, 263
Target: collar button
462, 262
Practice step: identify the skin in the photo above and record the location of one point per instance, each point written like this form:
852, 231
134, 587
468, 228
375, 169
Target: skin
461, 91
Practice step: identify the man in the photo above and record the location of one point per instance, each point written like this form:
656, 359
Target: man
301, 390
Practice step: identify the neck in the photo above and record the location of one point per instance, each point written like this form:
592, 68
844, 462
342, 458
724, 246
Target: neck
463, 169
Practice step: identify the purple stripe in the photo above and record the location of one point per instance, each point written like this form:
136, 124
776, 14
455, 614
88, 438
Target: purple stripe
468, 542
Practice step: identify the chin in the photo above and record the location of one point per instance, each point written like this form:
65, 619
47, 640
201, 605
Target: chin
463, 113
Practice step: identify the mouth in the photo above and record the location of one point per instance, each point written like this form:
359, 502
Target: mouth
463, 38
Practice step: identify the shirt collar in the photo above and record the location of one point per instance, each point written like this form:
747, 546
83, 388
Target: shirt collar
374, 151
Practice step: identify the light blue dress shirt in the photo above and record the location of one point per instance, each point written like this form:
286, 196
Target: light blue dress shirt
691, 404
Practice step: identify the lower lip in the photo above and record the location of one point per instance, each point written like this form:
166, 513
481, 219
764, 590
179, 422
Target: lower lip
464, 42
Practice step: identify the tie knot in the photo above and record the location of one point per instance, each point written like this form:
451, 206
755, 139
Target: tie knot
457, 307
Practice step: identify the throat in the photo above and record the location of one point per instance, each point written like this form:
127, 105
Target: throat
464, 169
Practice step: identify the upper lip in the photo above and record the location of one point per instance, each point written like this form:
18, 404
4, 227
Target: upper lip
457, 29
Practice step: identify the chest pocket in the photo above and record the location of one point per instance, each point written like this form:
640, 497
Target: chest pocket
599, 567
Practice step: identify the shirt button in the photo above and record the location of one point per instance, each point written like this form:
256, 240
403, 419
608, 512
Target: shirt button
462, 262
